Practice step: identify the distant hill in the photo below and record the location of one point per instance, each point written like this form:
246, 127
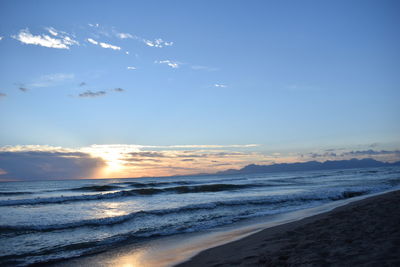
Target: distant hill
310, 166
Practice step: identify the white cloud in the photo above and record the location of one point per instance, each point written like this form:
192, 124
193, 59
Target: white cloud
220, 85
1, 38
172, 64
122, 35
157, 43
96, 25
127, 52
60, 41
69, 41
131, 68
113, 47
52, 31
90, 40
103, 45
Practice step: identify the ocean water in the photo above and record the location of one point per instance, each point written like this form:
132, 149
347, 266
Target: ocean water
52, 220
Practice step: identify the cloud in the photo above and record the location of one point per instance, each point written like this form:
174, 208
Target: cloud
2, 95
131, 68
95, 25
371, 152
128, 160
344, 154
45, 165
374, 145
122, 35
220, 164
143, 156
60, 40
119, 90
89, 93
23, 89
52, 31
148, 154
90, 40
103, 45
208, 155
113, 47
202, 146
82, 84
1, 38
323, 155
191, 155
220, 85
172, 64
159, 43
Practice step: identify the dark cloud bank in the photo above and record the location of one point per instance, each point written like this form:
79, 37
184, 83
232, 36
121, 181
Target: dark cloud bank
39, 165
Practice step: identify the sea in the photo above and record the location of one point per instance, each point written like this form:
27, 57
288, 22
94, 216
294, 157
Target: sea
47, 221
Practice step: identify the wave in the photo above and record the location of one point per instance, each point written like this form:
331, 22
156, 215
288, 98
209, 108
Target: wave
271, 200
14, 193
153, 184
96, 188
125, 193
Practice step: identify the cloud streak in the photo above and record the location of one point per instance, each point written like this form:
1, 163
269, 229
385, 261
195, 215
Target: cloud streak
58, 40
90, 40
172, 64
110, 46
159, 43
103, 45
91, 94
122, 35
371, 152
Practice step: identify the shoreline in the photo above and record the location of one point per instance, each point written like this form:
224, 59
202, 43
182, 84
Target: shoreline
184, 249
363, 232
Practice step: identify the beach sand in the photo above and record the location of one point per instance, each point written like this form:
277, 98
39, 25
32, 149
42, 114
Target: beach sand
365, 232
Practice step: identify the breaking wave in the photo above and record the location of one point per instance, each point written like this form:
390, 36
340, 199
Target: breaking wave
338, 195
125, 193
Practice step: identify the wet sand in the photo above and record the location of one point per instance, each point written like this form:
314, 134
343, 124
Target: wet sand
362, 233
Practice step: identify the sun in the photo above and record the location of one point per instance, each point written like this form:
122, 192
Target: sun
113, 156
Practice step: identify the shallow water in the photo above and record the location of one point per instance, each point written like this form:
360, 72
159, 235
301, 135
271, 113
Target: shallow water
42, 221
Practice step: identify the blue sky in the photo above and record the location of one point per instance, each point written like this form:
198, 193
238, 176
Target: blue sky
292, 77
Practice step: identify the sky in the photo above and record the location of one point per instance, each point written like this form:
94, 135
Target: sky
102, 89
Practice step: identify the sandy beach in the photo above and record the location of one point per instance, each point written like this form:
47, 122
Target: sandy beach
362, 233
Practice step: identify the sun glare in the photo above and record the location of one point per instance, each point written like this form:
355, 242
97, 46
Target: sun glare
113, 156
